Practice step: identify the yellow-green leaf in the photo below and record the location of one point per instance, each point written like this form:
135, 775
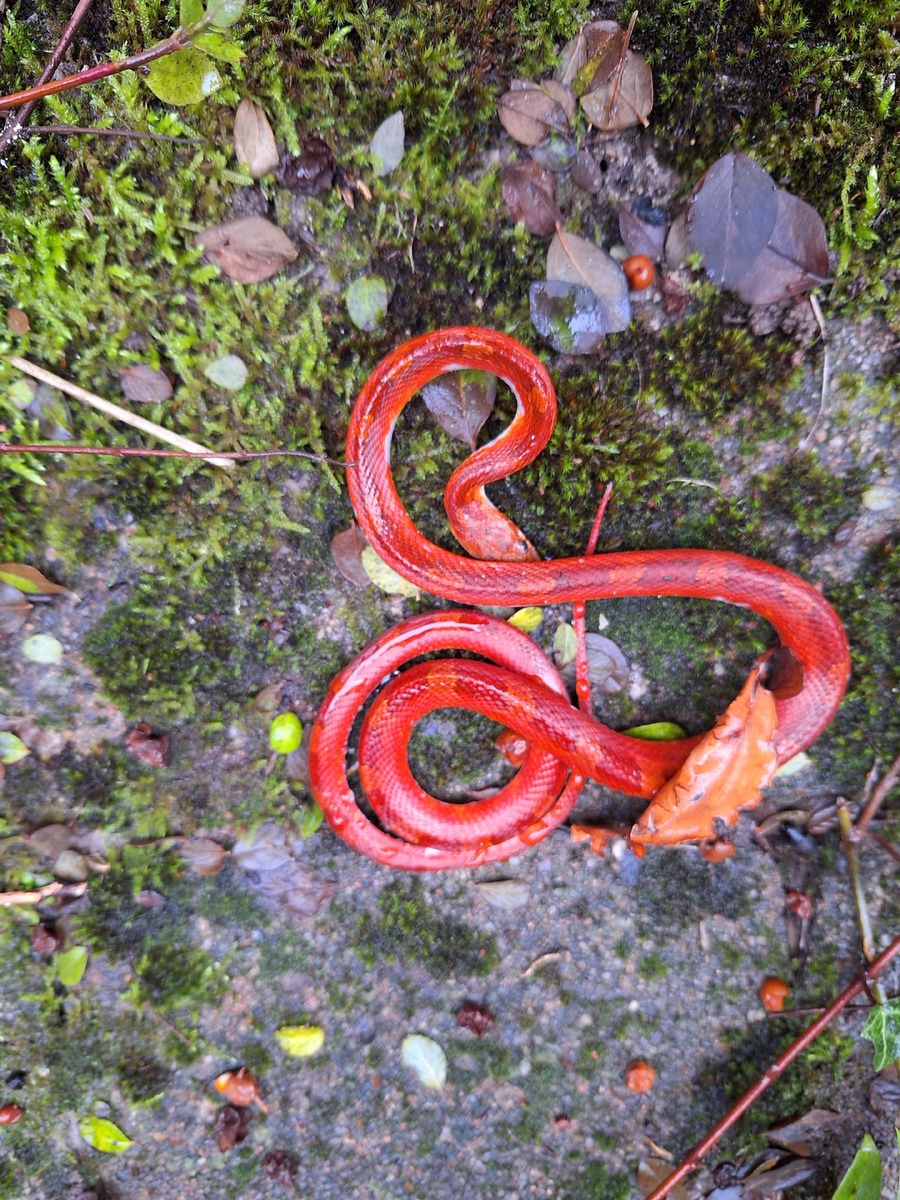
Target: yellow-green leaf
28, 579
311, 817
11, 748
103, 1135
71, 964
657, 731
385, 577
186, 77
300, 1041
527, 619
564, 644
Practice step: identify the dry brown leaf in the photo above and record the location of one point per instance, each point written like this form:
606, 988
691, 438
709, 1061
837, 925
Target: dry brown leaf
148, 747
624, 100
203, 855
254, 141
14, 609
143, 385
721, 776
592, 56
529, 110
17, 320
461, 402
575, 260
247, 250
30, 580
231, 1126
346, 551
529, 193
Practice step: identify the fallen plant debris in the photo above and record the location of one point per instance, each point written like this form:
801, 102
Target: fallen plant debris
142, 384
148, 747
231, 1126
247, 250
254, 141
240, 1087
640, 1076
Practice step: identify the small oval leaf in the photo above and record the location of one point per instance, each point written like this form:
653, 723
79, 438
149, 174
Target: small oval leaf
385, 577
426, 1058
657, 731
367, 302
300, 1041
387, 145
183, 78
12, 749
42, 648
228, 372
103, 1135
71, 965
527, 619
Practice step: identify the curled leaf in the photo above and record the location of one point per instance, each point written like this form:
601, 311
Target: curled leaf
231, 1126
721, 776
424, 1056
472, 1016
240, 1087
300, 1041
657, 731
882, 1028
30, 580
148, 747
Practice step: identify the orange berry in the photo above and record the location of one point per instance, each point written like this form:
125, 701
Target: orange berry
9, 1114
240, 1087
639, 272
640, 1076
799, 904
773, 993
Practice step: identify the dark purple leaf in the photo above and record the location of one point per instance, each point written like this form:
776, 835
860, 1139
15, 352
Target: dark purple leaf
731, 216
587, 172
461, 402
309, 172
474, 1017
641, 236
346, 551
231, 1127
280, 1167
143, 385
572, 318
529, 193
795, 259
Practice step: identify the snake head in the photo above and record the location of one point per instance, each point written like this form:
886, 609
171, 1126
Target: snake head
487, 534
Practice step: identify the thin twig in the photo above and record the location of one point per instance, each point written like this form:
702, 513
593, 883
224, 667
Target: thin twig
826, 370
879, 794
122, 133
43, 893
136, 452
696, 1156
16, 121
851, 849
114, 410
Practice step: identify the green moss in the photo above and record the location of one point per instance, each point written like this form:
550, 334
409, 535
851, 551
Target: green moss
407, 928
653, 965
597, 1182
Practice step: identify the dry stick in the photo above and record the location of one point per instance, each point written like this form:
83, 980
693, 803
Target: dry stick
141, 452
114, 410
14, 125
43, 893
122, 133
696, 1156
889, 780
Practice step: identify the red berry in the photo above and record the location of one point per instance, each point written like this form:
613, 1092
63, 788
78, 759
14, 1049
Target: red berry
639, 272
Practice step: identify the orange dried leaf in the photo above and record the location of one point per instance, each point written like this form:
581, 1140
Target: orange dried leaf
240, 1087
598, 836
722, 775
640, 1076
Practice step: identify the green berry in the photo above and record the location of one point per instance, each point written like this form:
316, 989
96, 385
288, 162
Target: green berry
285, 733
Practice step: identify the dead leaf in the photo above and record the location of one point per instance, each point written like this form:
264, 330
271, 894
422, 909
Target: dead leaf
529, 193
202, 855
240, 1087
608, 667
529, 110
592, 56
472, 1016
346, 551
254, 141
588, 173
506, 895
270, 862
148, 747
247, 250
17, 321
571, 317
231, 1126
280, 1167
626, 99
721, 776
30, 580
652, 1172
14, 609
312, 171
763, 1184
144, 385
731, 216
574, 259
643, 229
598, 836
461, 402
795, 258
798, 1136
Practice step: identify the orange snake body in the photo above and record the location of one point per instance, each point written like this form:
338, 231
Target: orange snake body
520, 688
